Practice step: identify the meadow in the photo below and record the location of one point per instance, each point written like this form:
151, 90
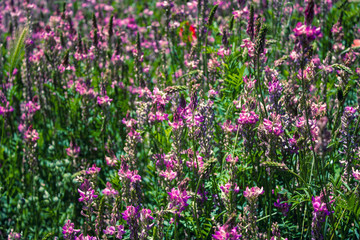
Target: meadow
179, 119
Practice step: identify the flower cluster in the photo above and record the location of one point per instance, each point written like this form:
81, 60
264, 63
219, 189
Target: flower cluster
321, 210
178, 200
273, 127
251, 194
224, 233
248, 118
307, 33
68, 230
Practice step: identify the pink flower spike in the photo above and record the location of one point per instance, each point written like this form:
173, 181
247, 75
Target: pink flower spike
104, 100
93, 170
110, 230
356, 174
109, 191
31, 134
73, 150
253, 193
111, 161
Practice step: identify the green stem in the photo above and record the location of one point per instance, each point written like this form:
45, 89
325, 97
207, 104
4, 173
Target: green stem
259, 83
176, 230
2, 131
195, 210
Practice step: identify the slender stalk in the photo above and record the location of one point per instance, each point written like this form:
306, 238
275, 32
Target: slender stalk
259, 83
176, 236
195, 210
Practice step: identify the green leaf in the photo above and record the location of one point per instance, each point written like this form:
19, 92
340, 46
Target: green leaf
16, 52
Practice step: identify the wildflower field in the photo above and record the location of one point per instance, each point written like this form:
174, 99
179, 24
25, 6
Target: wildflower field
179, 119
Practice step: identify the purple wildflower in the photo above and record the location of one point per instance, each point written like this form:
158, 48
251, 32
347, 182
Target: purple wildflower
31, 134
309, 33
104, 100
87, 194
120, 231
129, 213
178, 200
248, 117
251, 194
319, 214
145, 214
224, 234
68, 230
273, 127
356, 174
110, 230
227, 188
109, 191
282, 205
73, 150
93, 170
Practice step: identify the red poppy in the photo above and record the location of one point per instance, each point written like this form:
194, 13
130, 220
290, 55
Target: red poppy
191, 29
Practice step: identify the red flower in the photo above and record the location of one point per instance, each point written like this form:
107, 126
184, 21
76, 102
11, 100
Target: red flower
189, 29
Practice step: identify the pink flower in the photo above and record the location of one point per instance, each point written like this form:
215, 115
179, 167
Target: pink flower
32, 107
236, 14
31, 134
129, 123
213, 93
168, 174
73, 150
81, 237
120, 231
248, 117
110, 230
15, 71
293, 145
221, 234
250, 84
93, 170
227, 188
109, 191
178, 200
274, 127
253, 193
129, 213
224, 234
230, 159
356, 174
275, 87
21, 127
228, 127
145, 214
176, 124
68, 230
6, 109
111, 161
320, 207
14, 235
194, 164
132, 175
311, 32
161, 116
104, 100
307, 33
300, 122
350, 111
250, 47
87, 195
136, 135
